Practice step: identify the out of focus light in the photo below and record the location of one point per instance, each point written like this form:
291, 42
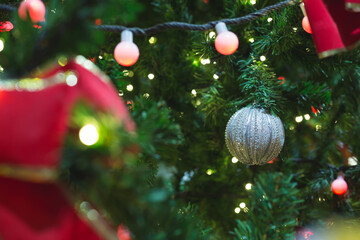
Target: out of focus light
237, 210
234, 160
242, 205
89, 135
248, 186
299, 119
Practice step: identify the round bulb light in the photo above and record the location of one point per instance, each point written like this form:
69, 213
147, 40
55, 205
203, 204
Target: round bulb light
306, 25
226, 42
35, 8
339, 186
126, 53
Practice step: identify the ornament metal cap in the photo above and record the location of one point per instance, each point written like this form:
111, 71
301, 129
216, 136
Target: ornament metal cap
126, 36
221, 27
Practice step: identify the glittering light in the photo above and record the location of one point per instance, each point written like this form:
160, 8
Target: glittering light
295, 29
71, 80
215, 76
307, 117
193, 92
205, 61
299, 119
212, 34
248, 186
262, 58
251, 40
89, 135
151, 76
129, 87
210, 172
352, 161
1, 45
152, 40
242, 205
253, 2
269, 19
237, 210
234, 160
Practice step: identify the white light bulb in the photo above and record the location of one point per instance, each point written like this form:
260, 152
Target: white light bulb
262, 58
234, 160
269, 19
129, 87
253, 2
215, 76
71, 80
248, 186
237, 210
352, 161
100, 57
251, 40
88, 135
307, 117
151, 76
205, 61
299, 119
242, 205
152, 40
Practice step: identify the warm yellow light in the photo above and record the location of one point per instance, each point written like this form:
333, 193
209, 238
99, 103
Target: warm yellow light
151, 76
209, 172
299, 119
152, 40
212, 34
253, 2
234, 160
129, 87
89, 135
248, 186
147, 95
307, 117
262, 58
193, 92
242, 205
251, 40
1, 45
237, 210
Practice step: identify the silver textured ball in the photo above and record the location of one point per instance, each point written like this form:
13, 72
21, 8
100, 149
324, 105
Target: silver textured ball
253, 136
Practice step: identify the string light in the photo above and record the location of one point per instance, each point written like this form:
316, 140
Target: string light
352, 161
253, 2
262, 58
121, 93
295, 29
215, 76
129, 87
146, 95
88, 135
234, 160
151, 76
307, 117
193, 92
299, 119
237, 210
212, 34
209, 172
242, 205
100, 57
318, 127
269, 19
2, 45
248, 186
71, 80
251, 40
205, 61
152, 40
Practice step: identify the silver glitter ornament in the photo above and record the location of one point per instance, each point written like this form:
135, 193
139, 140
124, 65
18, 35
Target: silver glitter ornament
253, 136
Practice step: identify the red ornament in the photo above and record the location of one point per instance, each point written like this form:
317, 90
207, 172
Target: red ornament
37, 123
339, 186
6, 26
126, 53
226, 42
98, 21
334, 28
35, 8
123, 233
306, 25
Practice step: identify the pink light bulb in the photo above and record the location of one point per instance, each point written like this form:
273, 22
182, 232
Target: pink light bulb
36, 9
339, 186
306, 25
126, 53
226, 42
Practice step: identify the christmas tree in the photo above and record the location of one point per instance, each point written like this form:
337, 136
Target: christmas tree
168, 167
